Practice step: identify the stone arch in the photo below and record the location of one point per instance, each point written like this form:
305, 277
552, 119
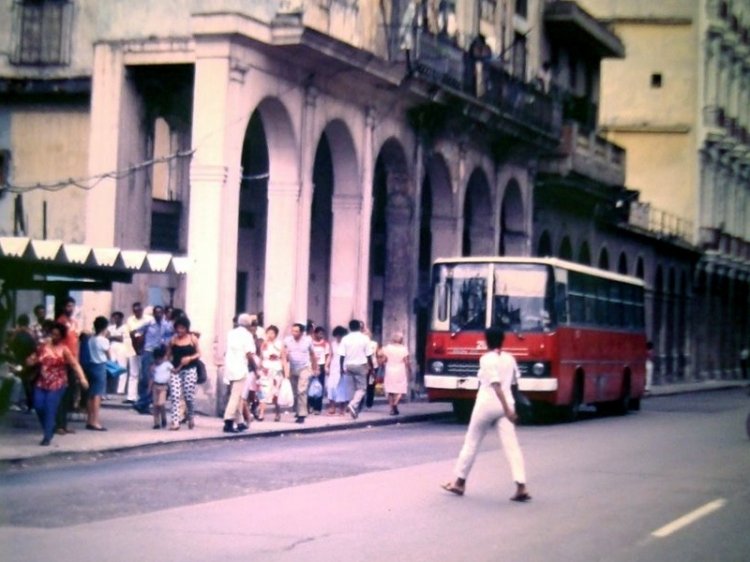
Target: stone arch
269, 165
544, 248
512, 231
391, 242
566, 249
477, 212
437, 238
335, 207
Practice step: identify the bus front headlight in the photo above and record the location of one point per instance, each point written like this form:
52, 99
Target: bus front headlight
538, 369
438, 367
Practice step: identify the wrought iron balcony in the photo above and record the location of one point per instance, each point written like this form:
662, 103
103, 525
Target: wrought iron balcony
486, 83
657, 221
586, 154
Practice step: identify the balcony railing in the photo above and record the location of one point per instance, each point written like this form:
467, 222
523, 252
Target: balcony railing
660, 222
724, 128
718, 240
588, 155
442, 62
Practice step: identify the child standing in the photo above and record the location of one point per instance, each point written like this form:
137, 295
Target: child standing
158, 383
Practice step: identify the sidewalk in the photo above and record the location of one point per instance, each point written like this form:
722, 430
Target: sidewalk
127, 430
20, 432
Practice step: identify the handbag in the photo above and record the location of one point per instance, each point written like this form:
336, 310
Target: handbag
315, 390
285, 399
200, 368
114, 369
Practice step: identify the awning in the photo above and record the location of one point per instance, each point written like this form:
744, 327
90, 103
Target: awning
42, 264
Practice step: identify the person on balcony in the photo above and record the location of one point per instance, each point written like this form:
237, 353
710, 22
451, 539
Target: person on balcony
478, 55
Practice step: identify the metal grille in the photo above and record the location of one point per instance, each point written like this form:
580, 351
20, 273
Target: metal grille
42, 32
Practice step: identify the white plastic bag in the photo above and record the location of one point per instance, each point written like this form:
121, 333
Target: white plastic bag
315, 390
285, 398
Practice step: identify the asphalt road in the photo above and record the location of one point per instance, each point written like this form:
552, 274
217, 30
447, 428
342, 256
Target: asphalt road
668, 483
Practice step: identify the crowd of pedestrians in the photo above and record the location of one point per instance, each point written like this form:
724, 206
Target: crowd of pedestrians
152, 358
306, 373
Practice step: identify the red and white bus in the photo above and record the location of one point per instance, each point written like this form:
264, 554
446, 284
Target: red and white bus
577, 332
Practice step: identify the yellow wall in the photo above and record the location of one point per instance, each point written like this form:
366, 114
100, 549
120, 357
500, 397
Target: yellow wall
48, 145
663, 168
627, 96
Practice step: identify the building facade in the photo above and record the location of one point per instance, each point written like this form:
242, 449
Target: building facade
310, 157
684, 122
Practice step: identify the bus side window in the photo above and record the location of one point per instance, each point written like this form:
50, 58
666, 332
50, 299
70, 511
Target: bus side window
616, 298
561, 302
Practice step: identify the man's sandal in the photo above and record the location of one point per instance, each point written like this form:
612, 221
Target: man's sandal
452, 488
521, 497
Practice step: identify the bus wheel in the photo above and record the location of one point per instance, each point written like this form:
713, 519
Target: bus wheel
572, 410
462, 410
622, 406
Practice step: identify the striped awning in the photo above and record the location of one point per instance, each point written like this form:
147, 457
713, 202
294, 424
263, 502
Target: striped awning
28, 263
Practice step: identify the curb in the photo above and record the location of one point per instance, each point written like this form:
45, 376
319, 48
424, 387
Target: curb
674, 390
75, 456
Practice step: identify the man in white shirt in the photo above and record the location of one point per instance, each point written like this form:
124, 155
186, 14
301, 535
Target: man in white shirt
240, 349
133, 349
355, 357
494, 409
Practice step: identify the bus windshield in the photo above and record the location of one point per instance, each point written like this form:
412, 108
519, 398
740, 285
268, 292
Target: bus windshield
522, 297
461, 297
517, 296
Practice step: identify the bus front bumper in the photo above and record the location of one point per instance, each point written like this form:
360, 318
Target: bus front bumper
525, 384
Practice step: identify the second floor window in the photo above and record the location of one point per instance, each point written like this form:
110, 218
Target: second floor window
42, 32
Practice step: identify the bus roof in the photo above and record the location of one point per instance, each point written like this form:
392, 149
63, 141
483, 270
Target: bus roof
554, 262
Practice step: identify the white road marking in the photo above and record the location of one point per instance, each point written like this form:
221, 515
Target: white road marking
689, 518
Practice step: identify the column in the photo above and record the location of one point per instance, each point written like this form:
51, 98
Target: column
446, 239
107, 83
713, 50
214, 204
281, 254
400, 256
368, 170
345, 250
307, 148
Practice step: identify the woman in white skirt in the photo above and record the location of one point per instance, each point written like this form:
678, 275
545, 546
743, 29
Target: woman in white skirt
494, 409
395, 356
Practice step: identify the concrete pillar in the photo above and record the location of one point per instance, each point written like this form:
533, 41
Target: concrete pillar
308, 146
365, 224
345, 251
214, 205
281, 254
418, 181
400, 252
107, 82
713, 52
106, 90
446, 241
